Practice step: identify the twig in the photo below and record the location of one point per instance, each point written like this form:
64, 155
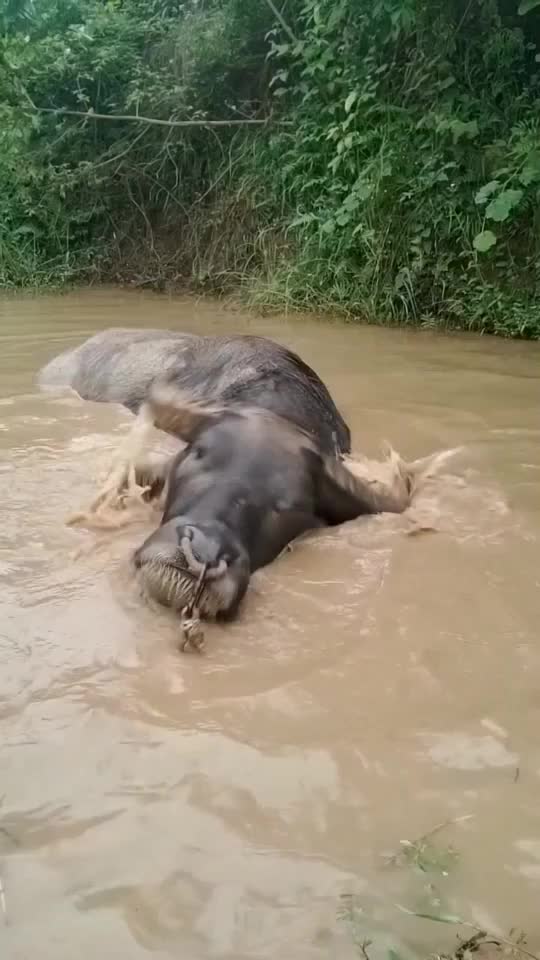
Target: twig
486, 934
470, 944
364, 949
143, 214
447, 823
430, 833
218, 179
498, 939
7, 833
464, 17
123, 153
161, 186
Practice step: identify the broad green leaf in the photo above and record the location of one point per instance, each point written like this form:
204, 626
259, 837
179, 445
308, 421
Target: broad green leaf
459, 128
485, 192
500, 208
302, 219
337, 14
531, 170
528, 175
280, 75
484, 241
351, 202
447, 82
328, 226
526, 6
350, 101
363, 190
28, 228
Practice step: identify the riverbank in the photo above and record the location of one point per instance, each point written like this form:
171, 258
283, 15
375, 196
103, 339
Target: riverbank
265, 298
378, 161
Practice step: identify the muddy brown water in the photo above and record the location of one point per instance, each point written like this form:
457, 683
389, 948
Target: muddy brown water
376, 685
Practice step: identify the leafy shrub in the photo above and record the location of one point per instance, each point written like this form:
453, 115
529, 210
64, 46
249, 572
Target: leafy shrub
398, 181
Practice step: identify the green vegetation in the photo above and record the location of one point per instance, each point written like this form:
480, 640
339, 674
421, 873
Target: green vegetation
431, 863
396, 180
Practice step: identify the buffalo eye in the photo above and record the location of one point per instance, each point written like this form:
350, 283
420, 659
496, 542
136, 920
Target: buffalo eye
198, 451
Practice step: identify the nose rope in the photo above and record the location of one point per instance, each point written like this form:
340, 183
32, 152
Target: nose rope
192, 631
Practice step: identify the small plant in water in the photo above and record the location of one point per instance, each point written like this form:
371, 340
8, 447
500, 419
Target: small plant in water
489, 945
426, 856
352, 913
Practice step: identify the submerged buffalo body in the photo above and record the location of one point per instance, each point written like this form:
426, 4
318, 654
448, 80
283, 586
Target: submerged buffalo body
247, 483
261, 456
120, 366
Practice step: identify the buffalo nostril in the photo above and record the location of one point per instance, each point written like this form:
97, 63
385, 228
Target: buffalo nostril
222, 566
195, 561
217, 570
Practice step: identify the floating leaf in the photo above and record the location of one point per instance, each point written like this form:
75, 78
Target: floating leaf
484, 241
526, 6
500, 208
437, 917
394, 955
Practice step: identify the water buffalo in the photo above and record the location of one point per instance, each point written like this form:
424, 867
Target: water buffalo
120, 365
247, 483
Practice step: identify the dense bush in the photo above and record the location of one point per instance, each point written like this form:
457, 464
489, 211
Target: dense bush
397, 180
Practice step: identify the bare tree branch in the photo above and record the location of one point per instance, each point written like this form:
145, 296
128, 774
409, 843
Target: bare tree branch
91, 115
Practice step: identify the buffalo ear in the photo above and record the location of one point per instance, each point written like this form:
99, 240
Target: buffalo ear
175, 411
347, 489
